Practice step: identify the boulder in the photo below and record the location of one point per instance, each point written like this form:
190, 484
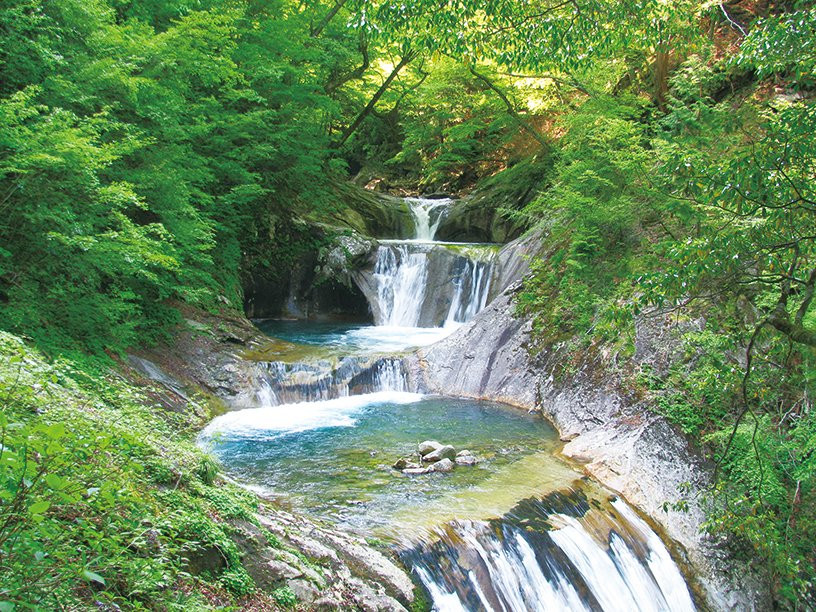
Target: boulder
400, 464
445, 452
464, 453
305, 591
466, 460
428, 446
416, 471
443, 465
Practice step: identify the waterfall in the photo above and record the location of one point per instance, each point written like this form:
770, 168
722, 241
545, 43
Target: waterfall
428, 214
401, 274
288, 383
472, 289
390, 376
550, 555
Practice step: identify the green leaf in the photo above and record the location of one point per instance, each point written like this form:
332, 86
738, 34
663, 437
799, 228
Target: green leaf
92, 577
55, 482
39, 507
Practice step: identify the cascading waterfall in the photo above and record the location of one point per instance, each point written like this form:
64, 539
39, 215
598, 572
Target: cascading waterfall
562, 552
539, 558
472, 289
428, 214
403, 268
401, 274
288, 383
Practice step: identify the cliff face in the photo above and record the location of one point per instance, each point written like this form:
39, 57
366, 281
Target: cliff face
616, 437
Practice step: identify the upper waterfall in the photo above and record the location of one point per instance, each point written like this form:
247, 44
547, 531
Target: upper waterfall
423, 282
428, 214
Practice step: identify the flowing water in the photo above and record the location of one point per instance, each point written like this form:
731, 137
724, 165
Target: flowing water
564, 551
522, 530
427, 283
428, 214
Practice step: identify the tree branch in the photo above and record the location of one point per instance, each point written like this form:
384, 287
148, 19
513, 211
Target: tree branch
406, 59
511, 109
318, 29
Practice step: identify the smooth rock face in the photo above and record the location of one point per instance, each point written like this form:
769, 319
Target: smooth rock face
443, 465
623, 444
445, 452
486, 358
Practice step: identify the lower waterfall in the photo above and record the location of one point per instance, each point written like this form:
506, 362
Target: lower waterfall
556, 553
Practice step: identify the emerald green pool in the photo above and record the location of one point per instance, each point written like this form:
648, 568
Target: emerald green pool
334, 457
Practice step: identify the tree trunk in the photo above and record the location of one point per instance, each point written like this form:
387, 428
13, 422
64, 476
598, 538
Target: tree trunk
406, 59
327, 19
661, 77
511, 110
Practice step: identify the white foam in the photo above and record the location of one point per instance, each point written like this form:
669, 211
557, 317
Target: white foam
389, 338
301, 416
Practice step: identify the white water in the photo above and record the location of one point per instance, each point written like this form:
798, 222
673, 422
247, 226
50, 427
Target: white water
472, 289
273, 421
428, 214
402, 268
583, 563
401, 274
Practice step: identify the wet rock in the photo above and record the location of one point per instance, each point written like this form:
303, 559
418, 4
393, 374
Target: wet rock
464, 453
428, 447
443, 465
400, 464
466, 460
416, 471
445, 452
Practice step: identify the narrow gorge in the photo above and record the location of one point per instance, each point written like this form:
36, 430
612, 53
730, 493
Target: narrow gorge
525, 528
472, 306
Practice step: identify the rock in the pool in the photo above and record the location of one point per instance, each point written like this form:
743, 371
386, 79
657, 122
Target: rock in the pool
444, 452
466, 460
416, 471
443, 465
428, 446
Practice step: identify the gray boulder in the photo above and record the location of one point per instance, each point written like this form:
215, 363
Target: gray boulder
416, 471
428, 446
443, 465
466, 460
445, 452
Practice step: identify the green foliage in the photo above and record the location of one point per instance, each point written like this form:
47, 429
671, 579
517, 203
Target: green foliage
284, 597
783, 45
704, 212
604, 160
101, 499
146, 155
